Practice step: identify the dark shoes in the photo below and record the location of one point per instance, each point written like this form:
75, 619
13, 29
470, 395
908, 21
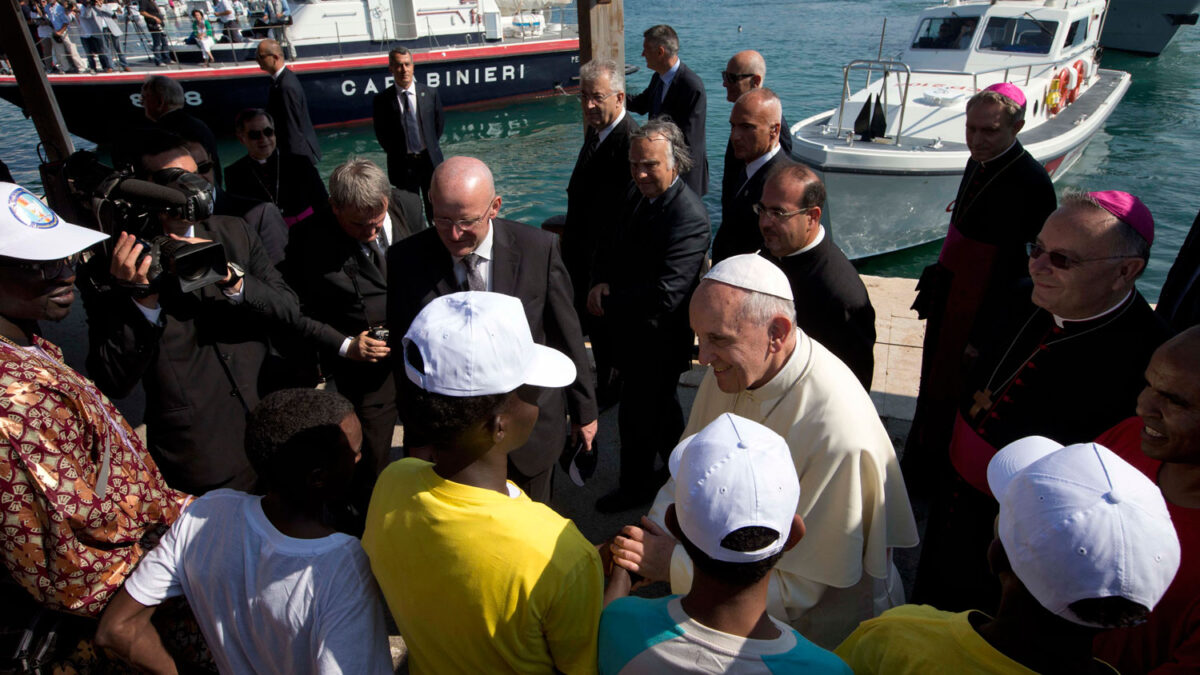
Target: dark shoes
621, 500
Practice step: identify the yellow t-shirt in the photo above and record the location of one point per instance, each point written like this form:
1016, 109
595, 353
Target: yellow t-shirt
481, 582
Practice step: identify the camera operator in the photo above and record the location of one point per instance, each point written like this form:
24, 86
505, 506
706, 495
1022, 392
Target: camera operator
198, 353
155, 25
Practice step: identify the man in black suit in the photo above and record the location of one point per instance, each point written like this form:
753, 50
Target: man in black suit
198, 353
832, 305
678, 93
287, 104
643, 281
271, 174
1179, 303
162, 103
469, 248
337, 262
754, 134
408, 124
596, 194
746, 70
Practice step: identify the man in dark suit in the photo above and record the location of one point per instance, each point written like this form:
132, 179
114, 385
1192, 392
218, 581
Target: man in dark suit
271, 174
832, 305
197, 353
754, 134
162, 103
337, 263
469, 248
596, 194
408, 124
747, 70
1179, 304
644, 278
678, 93
287, 104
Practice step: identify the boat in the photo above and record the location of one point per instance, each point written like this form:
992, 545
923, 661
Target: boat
892, 154
469, 49
1146, 26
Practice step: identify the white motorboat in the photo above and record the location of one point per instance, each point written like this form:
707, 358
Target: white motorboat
1146, 26
892, 154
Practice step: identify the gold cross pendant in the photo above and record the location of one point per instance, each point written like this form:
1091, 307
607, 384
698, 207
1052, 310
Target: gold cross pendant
983, 401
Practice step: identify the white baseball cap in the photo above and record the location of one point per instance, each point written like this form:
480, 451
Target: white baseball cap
30, 230
476, 343
734, 473
752, 272
1080, 522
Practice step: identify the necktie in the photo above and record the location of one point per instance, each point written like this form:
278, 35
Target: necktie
656, 96
412, 130
475, 280
589, 149
741, 179
378, 256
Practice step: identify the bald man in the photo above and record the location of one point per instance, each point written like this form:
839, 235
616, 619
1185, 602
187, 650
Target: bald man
745, 71
287, 104
470, 248
754, 127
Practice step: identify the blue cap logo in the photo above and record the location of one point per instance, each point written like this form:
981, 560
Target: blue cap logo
30, 211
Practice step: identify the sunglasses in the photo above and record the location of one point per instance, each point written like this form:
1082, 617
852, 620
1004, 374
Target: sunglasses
255, 134
729, 78
48, 269
1062, 261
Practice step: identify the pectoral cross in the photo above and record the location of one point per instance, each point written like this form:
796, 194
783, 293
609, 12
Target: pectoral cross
983, 401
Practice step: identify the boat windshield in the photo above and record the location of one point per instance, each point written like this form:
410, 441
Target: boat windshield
1017, 34
946, 32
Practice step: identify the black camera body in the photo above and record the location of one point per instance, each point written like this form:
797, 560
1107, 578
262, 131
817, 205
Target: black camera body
379, 333
193, 265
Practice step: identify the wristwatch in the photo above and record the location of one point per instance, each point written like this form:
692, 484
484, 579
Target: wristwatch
235, 275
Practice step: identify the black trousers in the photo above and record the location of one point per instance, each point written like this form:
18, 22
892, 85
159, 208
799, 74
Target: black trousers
650, 418
954, 574
413, 173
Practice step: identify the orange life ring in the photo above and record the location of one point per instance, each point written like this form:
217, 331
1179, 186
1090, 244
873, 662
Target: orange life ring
1059, 101
1080, 68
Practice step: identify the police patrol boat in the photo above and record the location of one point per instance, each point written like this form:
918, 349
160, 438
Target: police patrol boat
473, 51
892, 154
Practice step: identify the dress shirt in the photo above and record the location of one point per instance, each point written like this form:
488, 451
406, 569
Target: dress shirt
669, 77
153, 315
603, 134
484, 251
416, 144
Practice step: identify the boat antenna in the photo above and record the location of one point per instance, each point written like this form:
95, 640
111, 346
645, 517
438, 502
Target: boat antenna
882, 32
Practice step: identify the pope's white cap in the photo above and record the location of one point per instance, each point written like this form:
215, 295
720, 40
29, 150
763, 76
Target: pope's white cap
1080, 522
30, 230
476, 343
734, 473
752, 272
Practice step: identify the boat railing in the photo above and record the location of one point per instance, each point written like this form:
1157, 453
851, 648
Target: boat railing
887, 66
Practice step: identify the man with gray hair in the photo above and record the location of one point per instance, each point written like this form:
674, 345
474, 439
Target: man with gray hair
162, 102
852, 496
337, 263
644, 275
678, 93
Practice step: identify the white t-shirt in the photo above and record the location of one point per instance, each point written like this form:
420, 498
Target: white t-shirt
266, 602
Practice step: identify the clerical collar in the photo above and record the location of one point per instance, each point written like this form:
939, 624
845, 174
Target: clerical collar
1006, 151
655, 199
757, 163
793, 371
484, 249
669, 76
608, 129
816, 240
1061, 322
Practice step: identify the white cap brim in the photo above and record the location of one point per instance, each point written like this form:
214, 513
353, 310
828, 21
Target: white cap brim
45, 236
549, 368
1014, 458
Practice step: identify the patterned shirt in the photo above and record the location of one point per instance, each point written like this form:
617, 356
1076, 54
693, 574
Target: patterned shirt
80, 498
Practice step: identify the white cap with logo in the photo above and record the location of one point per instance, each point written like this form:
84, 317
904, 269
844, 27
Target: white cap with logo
30, 230
476, 343
1080, 522
733, 474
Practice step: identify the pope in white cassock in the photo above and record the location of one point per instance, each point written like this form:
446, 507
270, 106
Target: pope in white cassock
852, 496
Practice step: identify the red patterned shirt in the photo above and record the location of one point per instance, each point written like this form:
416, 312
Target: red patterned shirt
80, 498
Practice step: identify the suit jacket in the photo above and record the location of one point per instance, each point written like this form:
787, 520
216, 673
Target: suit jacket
733, 164
389, 125
195, 421
595, 196
526, 264
178, 121
299, 185
739, 231
1179, 303
652, 263
687, 106
264, 220
289, 108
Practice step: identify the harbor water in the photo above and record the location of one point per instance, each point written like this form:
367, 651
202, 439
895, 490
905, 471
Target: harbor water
1149, 146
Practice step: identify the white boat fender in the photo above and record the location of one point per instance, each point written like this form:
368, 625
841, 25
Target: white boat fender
942, 96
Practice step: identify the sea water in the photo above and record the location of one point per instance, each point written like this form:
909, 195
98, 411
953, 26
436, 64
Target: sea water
1149, 146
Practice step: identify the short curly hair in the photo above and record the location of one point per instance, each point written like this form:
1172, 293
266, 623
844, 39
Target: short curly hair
294, 430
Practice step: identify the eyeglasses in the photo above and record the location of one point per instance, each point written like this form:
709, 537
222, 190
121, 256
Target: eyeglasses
778, 215
255, 134
204, 167
465, 224
1062, 261
596, 98
48, 269
729, 78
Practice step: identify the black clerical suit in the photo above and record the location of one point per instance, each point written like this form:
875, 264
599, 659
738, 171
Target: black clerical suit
525, 264
832, 305
687, 105
1179, 303
199, 365
178, 121
652, 264
264, 219
739, 231
1032, 377
410, 171
288, 107
286, 180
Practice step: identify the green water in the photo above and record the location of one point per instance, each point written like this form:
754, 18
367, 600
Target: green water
1148, 147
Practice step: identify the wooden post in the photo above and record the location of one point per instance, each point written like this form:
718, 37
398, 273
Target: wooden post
38, 99
602, 30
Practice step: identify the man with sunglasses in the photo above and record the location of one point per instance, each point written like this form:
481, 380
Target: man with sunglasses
470, 248
745, 71
1066, 362
163, 103
270, 173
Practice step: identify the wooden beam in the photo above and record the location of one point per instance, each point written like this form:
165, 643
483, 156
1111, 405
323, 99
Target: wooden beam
602, 30
38, 99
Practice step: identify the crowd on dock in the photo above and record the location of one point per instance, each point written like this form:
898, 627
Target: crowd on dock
282, 323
